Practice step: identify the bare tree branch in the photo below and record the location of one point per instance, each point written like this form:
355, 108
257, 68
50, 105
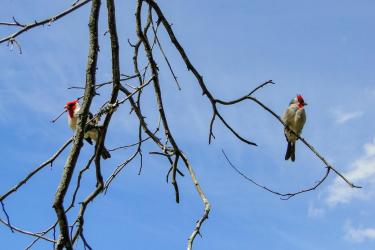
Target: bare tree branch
207, 206
15, 23
146, 72
283, 196
163, 53
100, 143
157, 90
49, 20
64, 239
195, 72
18, 230
32, 173
7, 216
312, 149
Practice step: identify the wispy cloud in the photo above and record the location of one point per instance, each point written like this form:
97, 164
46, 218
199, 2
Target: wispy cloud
315, 212
344, 117
362, 173
359, 234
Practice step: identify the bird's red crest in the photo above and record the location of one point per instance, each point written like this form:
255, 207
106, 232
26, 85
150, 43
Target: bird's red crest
300, 101
71, 106
72, 103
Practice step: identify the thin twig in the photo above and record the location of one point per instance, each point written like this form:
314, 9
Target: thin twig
195, 72
164, 55
7, 216
18, 230
43, 22
312, 149
36, 170
283, 196
15, 23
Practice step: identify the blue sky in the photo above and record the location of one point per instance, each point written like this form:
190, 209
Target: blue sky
321, 49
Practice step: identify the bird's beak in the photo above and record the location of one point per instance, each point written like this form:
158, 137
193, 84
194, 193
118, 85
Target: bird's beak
65, 107
305, 104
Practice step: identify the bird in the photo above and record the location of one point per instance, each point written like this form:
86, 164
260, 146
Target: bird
294, 118
92, 130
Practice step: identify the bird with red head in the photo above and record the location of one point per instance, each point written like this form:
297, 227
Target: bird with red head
92, 129
294, 119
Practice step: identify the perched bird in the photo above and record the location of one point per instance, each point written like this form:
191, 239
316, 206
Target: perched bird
91, 129
294, 119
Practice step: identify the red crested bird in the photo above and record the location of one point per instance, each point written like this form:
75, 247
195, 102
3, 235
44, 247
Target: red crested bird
294, 119
92, 130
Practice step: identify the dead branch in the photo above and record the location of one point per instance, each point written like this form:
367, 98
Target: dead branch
207, 206
195, 72
312, 149
49, 20
18, 230
15, 23
64, 238
167, 146
283, 196
163, 53
36, 170
7, 216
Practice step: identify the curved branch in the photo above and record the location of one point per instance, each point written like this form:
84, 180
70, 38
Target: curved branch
195, 72
312, 149
25, 232
207, 205
283, 196
7, 216
36, 170
49, 20
15, 23
157, 91
162, 51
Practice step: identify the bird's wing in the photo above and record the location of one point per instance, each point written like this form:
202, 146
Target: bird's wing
91, 118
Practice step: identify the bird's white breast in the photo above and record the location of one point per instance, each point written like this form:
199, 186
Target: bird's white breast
294, 118
72, 121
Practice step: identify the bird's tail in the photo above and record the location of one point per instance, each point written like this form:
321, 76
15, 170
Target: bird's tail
105, 154
291, 151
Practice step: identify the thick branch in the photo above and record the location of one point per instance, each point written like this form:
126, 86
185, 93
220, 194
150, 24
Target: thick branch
64, 239
107, 119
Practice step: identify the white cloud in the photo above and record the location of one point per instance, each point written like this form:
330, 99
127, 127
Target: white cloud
362, 173
315, 212
344, 117
359, 234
